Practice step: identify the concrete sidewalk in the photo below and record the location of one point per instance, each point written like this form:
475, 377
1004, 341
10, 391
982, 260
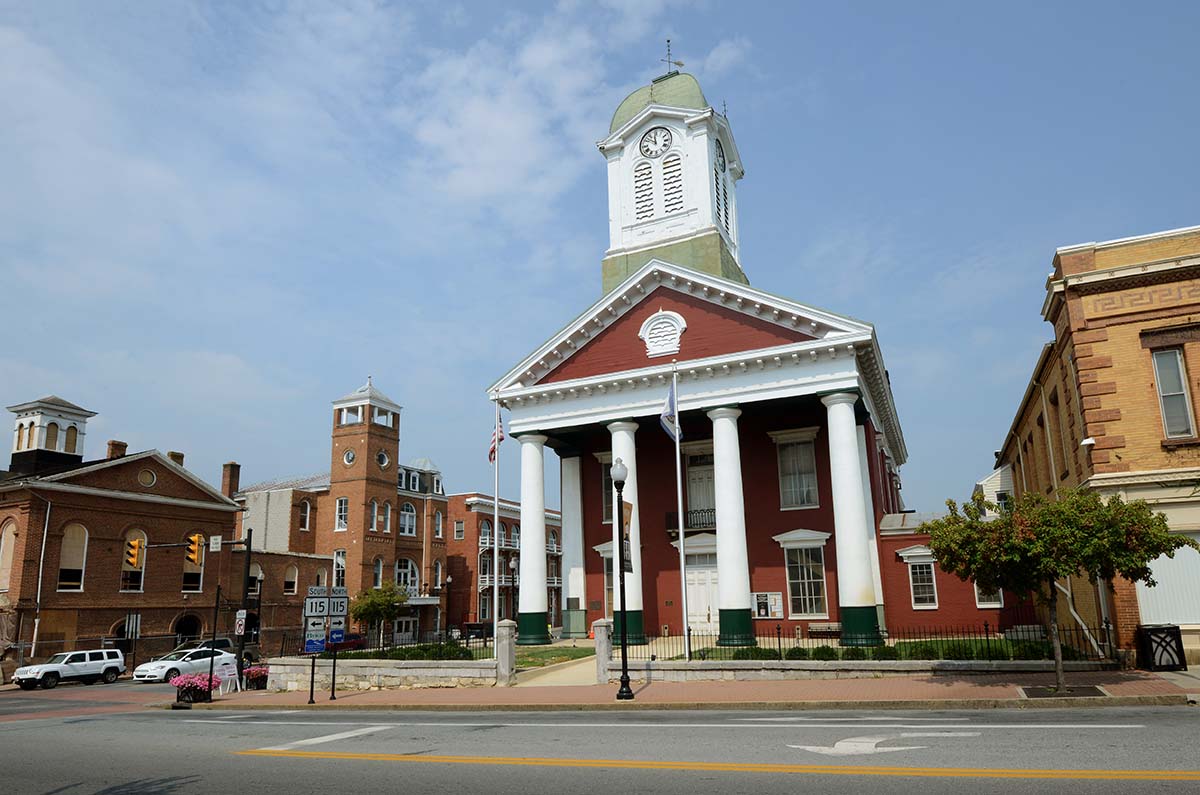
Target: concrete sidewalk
907, 692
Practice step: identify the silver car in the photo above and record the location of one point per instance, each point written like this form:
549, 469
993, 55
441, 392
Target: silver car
196, 661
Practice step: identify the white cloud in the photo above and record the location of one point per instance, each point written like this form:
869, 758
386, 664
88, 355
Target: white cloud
727, 54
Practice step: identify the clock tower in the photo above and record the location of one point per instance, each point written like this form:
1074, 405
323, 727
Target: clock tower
672, 174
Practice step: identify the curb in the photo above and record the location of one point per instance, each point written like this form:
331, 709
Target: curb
917, 704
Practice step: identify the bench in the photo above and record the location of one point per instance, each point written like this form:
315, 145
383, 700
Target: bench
831, 629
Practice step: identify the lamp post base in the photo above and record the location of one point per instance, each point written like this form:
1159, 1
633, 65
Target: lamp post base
625, 693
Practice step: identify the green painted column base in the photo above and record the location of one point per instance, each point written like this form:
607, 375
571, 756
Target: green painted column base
737, 628
574, 624
637, 629
860, 626
531, 629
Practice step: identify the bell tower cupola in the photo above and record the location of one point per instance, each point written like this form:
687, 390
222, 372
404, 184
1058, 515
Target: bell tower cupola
673, 168
48, 434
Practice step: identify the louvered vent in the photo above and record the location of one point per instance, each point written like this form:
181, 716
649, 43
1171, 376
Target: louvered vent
673, 184
717, 193
643, 192
725, 201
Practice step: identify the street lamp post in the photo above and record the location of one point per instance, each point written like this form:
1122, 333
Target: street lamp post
619, 472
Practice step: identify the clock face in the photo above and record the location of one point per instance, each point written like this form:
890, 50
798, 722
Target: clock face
656, 141
720, 157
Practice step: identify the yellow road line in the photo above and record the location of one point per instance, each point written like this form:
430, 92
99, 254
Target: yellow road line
741, 767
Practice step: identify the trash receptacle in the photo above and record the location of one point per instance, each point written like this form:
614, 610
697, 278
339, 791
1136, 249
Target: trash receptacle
1160, 648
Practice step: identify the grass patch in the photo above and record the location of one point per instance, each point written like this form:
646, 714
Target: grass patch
541, 656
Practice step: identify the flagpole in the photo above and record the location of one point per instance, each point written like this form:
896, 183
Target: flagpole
687, 636
496, 535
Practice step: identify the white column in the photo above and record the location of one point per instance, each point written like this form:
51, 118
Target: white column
733, 568
532, 595
574, 581
856, 587
623, 447
869, 506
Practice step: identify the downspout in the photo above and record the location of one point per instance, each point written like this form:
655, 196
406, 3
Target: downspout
37, 613
1049, 442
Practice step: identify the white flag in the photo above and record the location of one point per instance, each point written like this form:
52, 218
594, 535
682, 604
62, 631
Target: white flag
669, 419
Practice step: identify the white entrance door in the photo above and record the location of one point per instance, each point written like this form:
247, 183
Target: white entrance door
404, 630
702, 592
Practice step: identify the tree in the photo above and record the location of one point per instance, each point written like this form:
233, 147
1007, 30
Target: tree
1038, 542
376, 607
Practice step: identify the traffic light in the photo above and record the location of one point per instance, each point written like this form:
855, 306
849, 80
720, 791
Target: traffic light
133, 553
195, 549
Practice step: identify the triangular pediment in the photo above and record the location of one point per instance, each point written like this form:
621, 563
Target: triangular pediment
722, 318
125, 474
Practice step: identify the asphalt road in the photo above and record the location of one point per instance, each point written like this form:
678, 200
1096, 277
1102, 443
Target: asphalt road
1002, 751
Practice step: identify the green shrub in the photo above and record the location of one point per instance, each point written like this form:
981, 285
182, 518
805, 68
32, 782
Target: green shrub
885, 653
1031, 650
796, 653
424, 651
755, 653
958, 650
923, 650
824, 653
854, 653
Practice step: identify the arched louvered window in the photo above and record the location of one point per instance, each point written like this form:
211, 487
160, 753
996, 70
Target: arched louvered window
72, 440
21, 436
725, 200
643, 192
718, 194
52, 436
672, 183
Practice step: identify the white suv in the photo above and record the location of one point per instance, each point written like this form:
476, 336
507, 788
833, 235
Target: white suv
80, 666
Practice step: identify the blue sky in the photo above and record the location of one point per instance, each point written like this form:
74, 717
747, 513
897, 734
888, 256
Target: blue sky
216, 218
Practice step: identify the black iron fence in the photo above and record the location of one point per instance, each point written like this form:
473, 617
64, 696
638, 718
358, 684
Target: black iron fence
698, 519
967, 642
451, 644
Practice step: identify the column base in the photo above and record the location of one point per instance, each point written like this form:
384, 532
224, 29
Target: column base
860, 626
574, 624
531, 629
737, 628
637, 629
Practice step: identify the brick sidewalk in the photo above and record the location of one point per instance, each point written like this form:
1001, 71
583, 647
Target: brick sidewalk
920, 691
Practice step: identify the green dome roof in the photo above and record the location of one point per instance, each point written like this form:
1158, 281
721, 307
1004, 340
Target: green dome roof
678, 90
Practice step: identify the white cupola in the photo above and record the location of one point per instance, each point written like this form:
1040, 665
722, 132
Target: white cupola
672, 174
50, 423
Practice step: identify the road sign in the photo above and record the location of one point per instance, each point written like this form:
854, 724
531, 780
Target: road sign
317, 590
214, 543
314, 624
239, 626
314, 643
240, 615
326, 606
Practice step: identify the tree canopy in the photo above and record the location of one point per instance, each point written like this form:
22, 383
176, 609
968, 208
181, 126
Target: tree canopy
375, 607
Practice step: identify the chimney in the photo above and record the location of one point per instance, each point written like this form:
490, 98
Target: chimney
231, 478
116, 449
175, 456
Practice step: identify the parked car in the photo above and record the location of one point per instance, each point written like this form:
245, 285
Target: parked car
220, 644
92, 665
196, 661
352, 641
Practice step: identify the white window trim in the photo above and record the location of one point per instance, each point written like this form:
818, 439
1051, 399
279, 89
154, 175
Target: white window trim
460, 530
1187, 393
305, 515
605, 460
414, 481
985, 605
338, 525
801, 538
334, 568
377, 574
670, 346
373, 526
792, 436
400, 530
920, 554
438, 525
387, 517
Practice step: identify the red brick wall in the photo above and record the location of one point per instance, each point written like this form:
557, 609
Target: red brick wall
712, 330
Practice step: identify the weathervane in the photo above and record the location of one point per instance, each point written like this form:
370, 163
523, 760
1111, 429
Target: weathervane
670, 63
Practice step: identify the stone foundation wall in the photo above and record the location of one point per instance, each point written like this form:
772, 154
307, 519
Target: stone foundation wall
751, 670
292, 673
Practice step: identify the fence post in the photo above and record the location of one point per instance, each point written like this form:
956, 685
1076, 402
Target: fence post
987, 639
779, 639
602, 631
506, 652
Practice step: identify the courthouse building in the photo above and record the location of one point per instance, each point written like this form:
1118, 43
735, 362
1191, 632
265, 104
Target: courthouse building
792, 442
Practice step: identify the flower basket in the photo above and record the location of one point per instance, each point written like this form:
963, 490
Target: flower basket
256, 677
191, 688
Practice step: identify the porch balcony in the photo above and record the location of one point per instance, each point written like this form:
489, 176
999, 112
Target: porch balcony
699, 519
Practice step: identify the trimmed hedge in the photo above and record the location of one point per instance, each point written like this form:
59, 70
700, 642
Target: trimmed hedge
824, 653
885, 653
796, 653
854, 653
755, 653
423, 651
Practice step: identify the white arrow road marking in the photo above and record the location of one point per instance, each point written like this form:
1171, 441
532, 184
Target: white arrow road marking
868, 745
327, 738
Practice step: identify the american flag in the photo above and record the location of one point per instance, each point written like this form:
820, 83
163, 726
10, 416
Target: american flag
497, 438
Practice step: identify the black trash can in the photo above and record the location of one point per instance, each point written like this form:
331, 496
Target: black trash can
1160, 648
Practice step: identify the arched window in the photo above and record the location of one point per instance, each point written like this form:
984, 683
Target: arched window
516, 535
339, 568
408, 520
8, 540
193, 573
374, 525
290, 575
21, 437
643, 192
256, 578
131, 576
485, 533
377, 574
52, 436
407, 577
672, 183
72, 438
73, 559
322, 577
553, 542
485, 563
437, 574
437, 524
387, 517
305, 509
501, 533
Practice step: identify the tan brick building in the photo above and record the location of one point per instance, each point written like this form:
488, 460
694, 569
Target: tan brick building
1111, 406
